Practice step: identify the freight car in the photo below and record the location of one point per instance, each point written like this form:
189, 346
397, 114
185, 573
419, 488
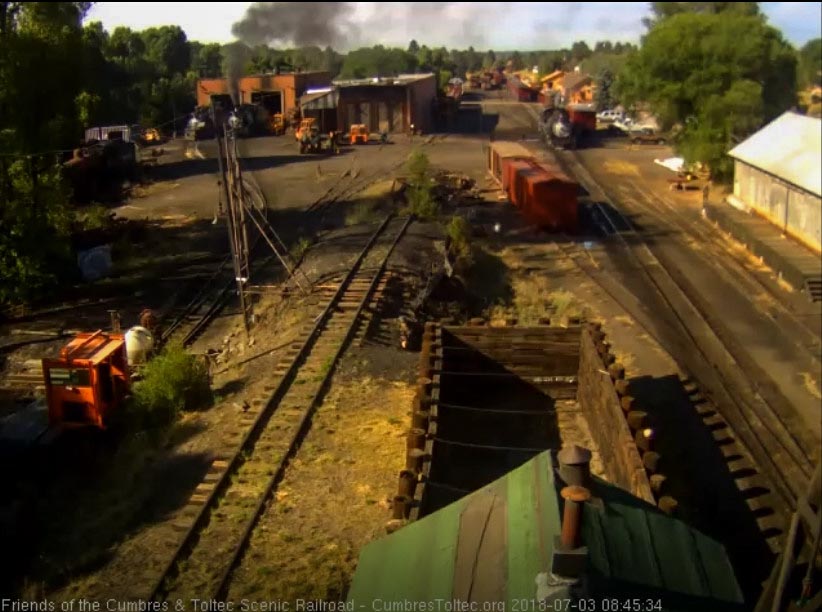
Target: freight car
543, 194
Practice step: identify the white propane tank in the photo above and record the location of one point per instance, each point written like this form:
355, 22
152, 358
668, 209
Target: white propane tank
139, 343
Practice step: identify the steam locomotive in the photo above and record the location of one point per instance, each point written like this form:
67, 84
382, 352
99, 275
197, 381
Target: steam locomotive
567, 127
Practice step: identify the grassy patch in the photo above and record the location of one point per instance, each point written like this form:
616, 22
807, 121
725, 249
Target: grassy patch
565, 304
172, 382
363, 211
299, 248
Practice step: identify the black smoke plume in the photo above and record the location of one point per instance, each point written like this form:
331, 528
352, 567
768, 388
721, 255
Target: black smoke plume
299, 24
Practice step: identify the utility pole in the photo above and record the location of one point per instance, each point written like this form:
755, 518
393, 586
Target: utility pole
230, 182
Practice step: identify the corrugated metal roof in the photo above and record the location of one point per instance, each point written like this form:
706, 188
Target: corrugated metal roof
320, 100
790, 148
496, 545
401, 79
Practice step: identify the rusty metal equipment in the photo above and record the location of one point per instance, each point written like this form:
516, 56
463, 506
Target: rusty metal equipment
359, 133
88, 382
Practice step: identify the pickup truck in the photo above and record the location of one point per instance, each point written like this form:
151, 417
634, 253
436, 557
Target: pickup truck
646, 135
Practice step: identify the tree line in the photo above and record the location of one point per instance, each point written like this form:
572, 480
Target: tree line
716, 69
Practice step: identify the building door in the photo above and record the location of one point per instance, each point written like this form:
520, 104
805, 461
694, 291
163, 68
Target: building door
397, 123
384, 120
272, 101
358, 112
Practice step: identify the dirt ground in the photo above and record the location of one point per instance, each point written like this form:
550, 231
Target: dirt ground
144, 483
334, 496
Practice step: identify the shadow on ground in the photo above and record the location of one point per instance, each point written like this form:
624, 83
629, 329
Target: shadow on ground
699, 477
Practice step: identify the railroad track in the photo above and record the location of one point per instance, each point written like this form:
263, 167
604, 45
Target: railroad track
780, 456
189, 320
665, 213
227, 504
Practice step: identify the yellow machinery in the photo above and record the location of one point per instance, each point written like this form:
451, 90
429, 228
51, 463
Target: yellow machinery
306, 126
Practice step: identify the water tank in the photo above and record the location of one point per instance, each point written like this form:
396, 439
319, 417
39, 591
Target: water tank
139, 343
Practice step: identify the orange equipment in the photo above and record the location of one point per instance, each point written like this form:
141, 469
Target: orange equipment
305, 128
359, 133
88, 381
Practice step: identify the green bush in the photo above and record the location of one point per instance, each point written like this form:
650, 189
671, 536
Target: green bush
418, 167
173, 381
459, 230
421, 202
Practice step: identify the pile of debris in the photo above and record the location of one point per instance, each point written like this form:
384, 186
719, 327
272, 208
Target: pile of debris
456, 189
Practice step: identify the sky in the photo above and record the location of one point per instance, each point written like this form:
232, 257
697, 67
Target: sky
495, 25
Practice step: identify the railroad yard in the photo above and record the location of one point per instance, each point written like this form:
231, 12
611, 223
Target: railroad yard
272, 493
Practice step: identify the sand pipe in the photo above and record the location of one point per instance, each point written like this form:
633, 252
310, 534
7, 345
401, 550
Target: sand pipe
416, 439
651, 461
621, 385
414, 460
407, 484
401, 507
420, 419
574, 497
645, 439
637, 419
617, 371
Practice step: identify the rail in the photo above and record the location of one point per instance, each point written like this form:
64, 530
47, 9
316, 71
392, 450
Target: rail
245, 453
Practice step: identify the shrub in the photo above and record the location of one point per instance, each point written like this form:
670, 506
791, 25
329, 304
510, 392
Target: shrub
421, 202
459, 231
173, 381
418, 167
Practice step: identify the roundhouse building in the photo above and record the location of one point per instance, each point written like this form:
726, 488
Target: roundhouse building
277, 92
391, 104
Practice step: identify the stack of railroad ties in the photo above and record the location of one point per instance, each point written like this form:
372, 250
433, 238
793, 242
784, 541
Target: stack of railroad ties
406, 504
542, 192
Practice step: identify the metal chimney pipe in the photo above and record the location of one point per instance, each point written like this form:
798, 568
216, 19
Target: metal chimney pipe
575, 465
574, 497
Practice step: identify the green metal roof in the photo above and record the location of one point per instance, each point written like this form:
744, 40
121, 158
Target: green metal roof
495, 545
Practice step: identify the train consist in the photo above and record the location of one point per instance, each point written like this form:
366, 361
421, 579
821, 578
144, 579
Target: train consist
567, 127
540, 190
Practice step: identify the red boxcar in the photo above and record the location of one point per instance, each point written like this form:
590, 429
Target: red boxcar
510, 165
513, 168
498, 152
545, 196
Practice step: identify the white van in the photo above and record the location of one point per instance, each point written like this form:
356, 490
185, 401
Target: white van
609, 116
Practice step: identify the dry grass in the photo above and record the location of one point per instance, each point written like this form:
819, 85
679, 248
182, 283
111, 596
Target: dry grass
811, 385
620, 168
334, 498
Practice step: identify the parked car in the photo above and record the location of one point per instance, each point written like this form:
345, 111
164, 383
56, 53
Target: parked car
610, 116
646, 135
